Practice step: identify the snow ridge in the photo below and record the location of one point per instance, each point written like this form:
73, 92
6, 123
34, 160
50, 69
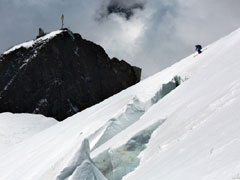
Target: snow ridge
29, 44
16, 128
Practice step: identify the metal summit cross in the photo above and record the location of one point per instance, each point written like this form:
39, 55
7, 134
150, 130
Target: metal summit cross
62, 20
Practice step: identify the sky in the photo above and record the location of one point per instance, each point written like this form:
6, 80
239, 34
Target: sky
151, 34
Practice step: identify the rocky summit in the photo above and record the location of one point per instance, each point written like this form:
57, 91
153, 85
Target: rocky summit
60, 74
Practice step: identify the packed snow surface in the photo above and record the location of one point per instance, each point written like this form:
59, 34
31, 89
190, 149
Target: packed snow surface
180, 124
15, 128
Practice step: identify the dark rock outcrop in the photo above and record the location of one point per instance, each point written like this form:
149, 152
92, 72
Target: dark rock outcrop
60, 75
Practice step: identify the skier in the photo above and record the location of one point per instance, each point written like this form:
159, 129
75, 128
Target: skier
198, 49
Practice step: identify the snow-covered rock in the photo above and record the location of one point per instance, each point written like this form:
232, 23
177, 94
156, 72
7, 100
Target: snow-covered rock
30, 43
62, 74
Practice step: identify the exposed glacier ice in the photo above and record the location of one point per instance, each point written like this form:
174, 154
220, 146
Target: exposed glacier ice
116, 163
87, 171
81, 166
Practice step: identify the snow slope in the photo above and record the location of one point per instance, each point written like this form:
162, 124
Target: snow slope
182, 123
15, 128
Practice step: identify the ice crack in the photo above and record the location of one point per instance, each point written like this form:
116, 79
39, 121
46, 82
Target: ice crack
132, 112
116, 163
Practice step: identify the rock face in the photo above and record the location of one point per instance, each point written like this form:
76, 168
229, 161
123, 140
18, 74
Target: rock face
59, 75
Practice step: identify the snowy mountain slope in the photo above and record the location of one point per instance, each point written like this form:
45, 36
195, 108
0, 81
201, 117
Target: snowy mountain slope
15, 128
199, 137
181, 123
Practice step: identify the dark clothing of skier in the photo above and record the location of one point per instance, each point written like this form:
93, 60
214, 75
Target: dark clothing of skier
198, 49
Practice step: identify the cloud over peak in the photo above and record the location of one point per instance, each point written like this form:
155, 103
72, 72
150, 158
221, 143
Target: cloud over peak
122, 8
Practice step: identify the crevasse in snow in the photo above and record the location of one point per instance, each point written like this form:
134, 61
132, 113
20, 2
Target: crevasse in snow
133, 111
116, 163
